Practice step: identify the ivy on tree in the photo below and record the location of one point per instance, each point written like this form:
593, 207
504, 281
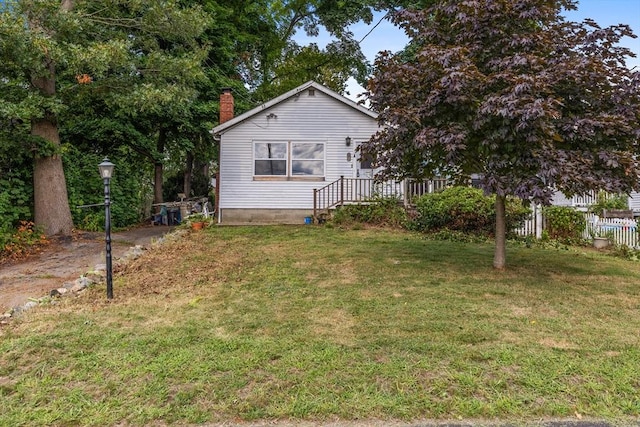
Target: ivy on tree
510, 90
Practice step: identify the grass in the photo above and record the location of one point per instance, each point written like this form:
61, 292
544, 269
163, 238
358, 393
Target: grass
251, 323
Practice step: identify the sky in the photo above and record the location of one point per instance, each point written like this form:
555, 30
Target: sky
387, 37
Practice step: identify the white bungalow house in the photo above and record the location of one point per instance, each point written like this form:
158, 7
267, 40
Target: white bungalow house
295, 157
275, 158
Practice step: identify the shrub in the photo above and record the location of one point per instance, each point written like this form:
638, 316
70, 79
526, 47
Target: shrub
22, 240
381, 211
85, 187
564, 223
464, 209
608, 201
15, 198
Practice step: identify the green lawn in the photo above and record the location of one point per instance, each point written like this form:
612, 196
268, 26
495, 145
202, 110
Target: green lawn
318, 323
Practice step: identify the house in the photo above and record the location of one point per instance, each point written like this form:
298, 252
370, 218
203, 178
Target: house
582, 202
297, 154
273, 157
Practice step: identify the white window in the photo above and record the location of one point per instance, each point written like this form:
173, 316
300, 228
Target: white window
289, 159
307, 159
270, 158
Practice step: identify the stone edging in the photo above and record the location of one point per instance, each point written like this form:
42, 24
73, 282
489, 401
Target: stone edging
90, 278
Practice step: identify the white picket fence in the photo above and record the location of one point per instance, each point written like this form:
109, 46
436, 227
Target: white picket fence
620, 230
534, 225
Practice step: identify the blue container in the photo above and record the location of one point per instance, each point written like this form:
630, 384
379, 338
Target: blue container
308, 220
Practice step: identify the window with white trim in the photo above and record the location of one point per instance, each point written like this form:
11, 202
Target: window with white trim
289, 159
307, 159
270, 158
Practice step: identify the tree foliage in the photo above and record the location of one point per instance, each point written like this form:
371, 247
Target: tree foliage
283, 64
508, 89
135, 60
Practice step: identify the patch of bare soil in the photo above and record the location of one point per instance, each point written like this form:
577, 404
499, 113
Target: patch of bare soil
64, 260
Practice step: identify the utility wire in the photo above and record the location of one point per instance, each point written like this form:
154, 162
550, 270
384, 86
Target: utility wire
374, 27
249, 99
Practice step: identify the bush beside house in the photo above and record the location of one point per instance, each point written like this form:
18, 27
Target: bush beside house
381, 211
464, 209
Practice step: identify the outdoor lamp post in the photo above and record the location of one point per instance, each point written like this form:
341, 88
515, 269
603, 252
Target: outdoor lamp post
106, 172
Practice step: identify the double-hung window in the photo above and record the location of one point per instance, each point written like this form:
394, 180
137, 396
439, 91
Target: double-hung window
289, 160
270, 158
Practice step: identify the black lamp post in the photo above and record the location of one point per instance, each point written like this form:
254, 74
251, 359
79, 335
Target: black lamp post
106, 172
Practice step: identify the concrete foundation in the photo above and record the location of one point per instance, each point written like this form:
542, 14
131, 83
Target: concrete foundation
230, 216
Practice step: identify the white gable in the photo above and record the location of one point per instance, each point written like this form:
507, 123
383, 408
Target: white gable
301, 116
294, 93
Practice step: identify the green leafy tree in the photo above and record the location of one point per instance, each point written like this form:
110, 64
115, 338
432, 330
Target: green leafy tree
140, 56
28, 59
510, 90
279, 63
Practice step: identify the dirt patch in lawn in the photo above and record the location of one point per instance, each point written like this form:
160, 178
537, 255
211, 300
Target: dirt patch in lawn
65, 259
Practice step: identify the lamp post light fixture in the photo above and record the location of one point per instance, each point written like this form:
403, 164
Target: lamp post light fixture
106, 172
347, 141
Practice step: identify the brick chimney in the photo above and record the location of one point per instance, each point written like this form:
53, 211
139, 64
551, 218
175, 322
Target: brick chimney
226, 114
226, 105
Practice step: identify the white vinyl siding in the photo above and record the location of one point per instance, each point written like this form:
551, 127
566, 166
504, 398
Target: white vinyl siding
634, 201
318, 119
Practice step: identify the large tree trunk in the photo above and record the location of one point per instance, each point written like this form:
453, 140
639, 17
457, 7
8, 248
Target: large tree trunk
50, 199
51, 202
158, 169
499, 257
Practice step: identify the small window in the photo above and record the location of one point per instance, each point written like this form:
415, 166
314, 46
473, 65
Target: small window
270, 158
307, 159
312, 92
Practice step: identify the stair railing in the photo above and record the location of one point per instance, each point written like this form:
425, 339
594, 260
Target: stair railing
351, 191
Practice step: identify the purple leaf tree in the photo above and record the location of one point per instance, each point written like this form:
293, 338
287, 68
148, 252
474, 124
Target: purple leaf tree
509, 90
